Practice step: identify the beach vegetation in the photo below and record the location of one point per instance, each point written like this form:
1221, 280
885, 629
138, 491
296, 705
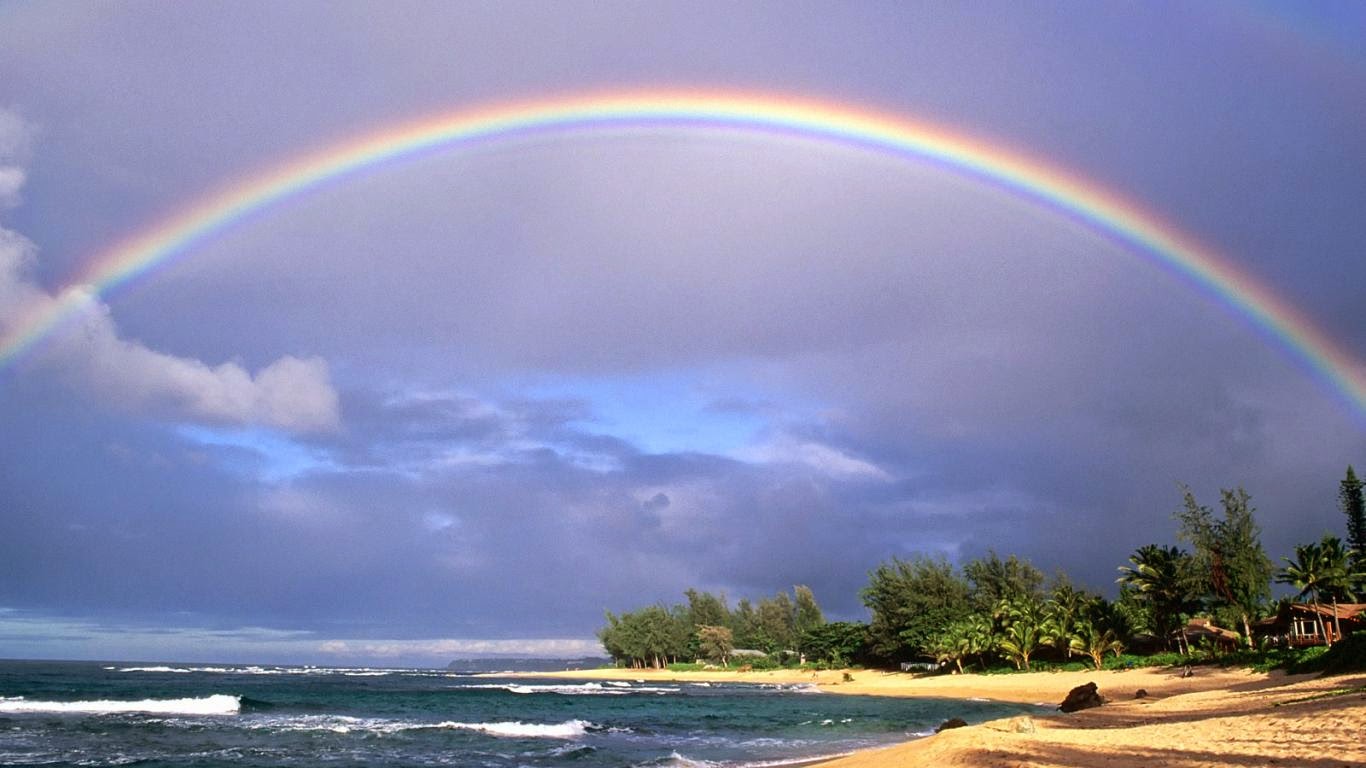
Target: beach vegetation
912, 601
1094, 642
1024, 629
660, 635
1161, 586
995, 614
1318, 568
992, 580
1352, 502
1228, 564
835, 644
716, 643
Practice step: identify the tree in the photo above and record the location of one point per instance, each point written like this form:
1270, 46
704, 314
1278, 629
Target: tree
744, 622
809, 614
716, 643
777, 623
836, 643
706, 609
1065, 607
1160, 576
912, 601
1229, 560
952, 643
1353, 505
994, 580
1094, 641
1307, 574
1024, 629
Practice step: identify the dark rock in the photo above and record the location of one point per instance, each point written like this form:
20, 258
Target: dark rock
1141, 693
1081, 697
952, 722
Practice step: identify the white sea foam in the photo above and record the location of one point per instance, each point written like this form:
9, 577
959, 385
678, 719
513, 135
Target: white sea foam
570, 729
618, 684
677, 760
257, 670
218, 704
577, 689
333, 724
790, 761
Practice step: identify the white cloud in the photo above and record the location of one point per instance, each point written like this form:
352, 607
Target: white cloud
291, 393
825, 459
15, 138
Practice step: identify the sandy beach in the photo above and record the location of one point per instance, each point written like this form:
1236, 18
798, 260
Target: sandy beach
1214, 718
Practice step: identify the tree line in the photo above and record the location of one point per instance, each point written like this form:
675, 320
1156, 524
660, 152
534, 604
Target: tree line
994, 609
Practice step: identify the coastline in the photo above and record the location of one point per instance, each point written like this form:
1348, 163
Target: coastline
1215, 717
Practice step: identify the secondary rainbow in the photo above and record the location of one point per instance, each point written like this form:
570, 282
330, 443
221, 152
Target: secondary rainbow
1079, 199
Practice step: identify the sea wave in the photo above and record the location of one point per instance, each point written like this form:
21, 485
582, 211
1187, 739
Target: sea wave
570, 729
259, 670
217, 704
578, 689
343, 724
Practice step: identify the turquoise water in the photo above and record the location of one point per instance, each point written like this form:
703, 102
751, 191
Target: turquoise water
92, 714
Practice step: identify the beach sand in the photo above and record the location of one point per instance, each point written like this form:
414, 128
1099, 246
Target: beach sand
1214, 718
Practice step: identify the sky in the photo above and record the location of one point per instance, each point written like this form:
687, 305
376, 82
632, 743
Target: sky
462, 403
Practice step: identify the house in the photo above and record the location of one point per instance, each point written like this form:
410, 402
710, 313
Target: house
1297, 624
1203, 629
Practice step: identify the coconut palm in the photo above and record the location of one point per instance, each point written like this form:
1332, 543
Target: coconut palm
1340, 579
1310, 573
1025, 628
1065, 607
1158, 573
1089, 639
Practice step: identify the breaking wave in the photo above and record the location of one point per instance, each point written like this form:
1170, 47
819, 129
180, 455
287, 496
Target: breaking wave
578, 689
218, 704
570, 729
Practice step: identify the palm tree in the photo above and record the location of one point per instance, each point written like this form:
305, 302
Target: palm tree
1158, 573
1340, 578
953, 643
1093, 641
1025, 629
1310, 574
1064, 609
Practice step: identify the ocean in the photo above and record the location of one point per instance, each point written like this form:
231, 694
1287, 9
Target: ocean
108, 714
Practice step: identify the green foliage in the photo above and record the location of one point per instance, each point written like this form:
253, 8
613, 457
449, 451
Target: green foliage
1353, 505
1160, 580
1344, 657
1094, 642
1024, 628
993, 580
659, 635
715, 643
1229, 563
809, 614
706, 609
836, 644
911, 601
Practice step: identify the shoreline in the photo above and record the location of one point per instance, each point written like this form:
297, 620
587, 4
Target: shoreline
1216, 717
1047, 688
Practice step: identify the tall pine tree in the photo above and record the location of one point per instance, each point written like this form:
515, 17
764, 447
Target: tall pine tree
1351, 503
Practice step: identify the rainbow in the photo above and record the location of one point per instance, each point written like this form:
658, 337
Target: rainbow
1105, 211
